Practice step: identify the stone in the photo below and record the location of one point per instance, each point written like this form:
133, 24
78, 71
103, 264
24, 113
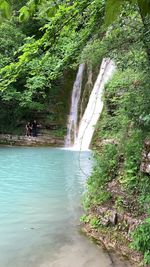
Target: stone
113, 218
105, 222
101, 210
30, 141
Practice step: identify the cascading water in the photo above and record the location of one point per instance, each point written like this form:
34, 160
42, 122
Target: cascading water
94, 107
86, 92
73, 117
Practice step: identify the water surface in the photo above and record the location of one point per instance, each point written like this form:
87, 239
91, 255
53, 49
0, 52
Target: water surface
40, 192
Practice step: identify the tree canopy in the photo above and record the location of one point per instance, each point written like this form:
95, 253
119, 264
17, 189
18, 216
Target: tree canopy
42, 42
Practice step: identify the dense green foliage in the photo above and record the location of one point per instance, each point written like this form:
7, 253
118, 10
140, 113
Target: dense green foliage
142, 239
38, 60
124, 124
30, 83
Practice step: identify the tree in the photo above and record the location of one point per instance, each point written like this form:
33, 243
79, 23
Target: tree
114, 8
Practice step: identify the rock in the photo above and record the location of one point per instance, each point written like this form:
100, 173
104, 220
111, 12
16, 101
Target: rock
30, 141
113, 218
109, 141
145, 167
115, 188
105, 222
101, 210
107, 216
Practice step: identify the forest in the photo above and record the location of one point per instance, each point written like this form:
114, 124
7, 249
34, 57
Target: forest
42, 43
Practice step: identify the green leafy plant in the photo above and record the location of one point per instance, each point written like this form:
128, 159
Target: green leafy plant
85, 218
95, 222
141, 239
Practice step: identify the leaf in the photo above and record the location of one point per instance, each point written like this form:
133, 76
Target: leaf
5, 9
51, 11
24, 13
31, 7
113, 9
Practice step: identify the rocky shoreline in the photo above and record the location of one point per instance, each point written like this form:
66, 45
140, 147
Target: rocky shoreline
112, 223
113, 233
113, 242
112, 226
16, 140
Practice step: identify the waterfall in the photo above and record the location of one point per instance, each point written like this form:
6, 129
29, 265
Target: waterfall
86, 92
94, 106
73, 117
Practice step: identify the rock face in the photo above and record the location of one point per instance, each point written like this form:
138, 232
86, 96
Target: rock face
145, 164
7, 139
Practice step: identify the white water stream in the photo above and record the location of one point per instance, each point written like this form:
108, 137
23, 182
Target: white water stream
73, 116
94, 107
80, 139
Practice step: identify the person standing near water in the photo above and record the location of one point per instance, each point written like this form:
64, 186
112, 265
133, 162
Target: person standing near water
28, 129
35, 125
34, 128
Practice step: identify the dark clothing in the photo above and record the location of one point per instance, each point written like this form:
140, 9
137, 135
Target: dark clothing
34, 129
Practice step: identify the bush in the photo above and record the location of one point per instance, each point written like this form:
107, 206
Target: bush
141, 240
106, 165
132, 149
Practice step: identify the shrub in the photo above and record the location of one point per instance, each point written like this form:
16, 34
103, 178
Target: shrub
141, 240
